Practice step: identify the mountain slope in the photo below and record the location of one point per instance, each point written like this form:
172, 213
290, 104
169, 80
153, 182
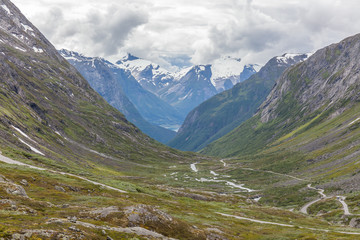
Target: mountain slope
313, 109
222, 113
108, 81
47, 99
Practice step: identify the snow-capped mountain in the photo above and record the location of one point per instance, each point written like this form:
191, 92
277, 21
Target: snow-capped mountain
228, 71
150, 75
122, 91
190, 86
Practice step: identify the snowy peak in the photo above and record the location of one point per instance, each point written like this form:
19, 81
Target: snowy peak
228, 71
288, 58
129, 57
78, 57
227, 67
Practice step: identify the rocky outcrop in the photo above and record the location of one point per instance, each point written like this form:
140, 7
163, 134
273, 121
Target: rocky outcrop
329, 76
12, 188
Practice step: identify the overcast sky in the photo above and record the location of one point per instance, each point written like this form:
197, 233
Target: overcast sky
183, 32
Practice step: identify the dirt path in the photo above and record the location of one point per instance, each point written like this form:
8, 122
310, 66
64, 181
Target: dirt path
286, 225
341, 199
14, 162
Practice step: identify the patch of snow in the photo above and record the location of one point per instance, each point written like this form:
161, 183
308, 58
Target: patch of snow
31, 147
355, 121
180, 74
223, 161
27, 28
38, 50
22, 133
21, 49
193, 167
291, 56
214, 173
6, 9
57, 133
225, 67
256, 67
257, 199
186, 96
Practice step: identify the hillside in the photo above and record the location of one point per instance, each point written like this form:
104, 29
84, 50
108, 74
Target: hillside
110, 81
225, 111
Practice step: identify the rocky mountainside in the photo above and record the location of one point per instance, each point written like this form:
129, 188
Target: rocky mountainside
225, 111
313, 110
189, 87
100, 73
49, 101
113, 84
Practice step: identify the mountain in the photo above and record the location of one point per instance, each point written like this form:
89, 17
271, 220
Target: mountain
109, 81
225, 111
189, 87
313, 110
150, 75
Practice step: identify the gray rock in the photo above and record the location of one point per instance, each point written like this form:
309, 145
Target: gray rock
104, 212
355, 223
24, 182
59, 188
72, 219
75, 229
15, 189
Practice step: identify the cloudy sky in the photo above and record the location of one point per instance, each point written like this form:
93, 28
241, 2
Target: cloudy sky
184, 32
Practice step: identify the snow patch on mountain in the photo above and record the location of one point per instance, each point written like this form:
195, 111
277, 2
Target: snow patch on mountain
7, 10
26, 27
284, 59
227, 69
38, 50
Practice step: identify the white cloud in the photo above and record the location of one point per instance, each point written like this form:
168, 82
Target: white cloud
202, 30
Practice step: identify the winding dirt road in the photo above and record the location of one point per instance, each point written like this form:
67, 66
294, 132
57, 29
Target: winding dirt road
341, 199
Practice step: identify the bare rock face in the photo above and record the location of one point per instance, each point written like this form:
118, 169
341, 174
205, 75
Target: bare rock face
141, 214
104, 212
15, 189
355, 223
327, 77
12, 188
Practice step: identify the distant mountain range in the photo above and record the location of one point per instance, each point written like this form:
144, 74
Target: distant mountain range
222, 113
123, 92
186, 89
152, 97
